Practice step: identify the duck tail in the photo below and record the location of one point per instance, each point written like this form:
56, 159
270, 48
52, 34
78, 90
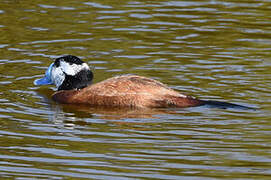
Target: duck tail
225, 105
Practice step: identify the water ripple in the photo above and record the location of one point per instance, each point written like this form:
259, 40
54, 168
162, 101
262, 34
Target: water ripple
209, 49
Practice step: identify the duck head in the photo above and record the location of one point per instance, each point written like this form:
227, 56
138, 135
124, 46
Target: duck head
67, 72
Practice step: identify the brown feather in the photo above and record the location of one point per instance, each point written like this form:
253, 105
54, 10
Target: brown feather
127, 91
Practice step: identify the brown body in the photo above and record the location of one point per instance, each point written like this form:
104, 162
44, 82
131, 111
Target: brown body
127, 91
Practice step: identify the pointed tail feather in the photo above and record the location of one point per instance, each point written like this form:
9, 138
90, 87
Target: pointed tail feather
225, 105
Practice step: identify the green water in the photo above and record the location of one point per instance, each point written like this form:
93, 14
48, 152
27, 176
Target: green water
217, 50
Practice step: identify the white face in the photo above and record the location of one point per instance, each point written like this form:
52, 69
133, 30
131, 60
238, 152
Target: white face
58, 73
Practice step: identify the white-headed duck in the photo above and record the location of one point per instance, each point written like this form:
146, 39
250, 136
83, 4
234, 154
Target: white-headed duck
73, 79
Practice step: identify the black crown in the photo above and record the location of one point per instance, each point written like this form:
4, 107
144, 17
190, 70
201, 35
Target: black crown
69, 59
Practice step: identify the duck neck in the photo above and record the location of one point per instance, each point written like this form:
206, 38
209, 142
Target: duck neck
78, 81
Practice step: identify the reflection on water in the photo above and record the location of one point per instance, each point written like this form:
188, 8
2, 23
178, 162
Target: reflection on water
217, 50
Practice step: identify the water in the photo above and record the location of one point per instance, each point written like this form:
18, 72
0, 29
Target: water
216, 50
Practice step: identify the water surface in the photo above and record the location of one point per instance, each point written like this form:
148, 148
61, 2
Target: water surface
217, 50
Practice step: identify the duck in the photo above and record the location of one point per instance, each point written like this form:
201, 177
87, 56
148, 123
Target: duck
73, 80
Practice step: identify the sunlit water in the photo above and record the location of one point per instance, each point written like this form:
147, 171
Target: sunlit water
217, 50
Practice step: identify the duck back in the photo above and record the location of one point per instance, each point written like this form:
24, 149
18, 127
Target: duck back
127, 91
